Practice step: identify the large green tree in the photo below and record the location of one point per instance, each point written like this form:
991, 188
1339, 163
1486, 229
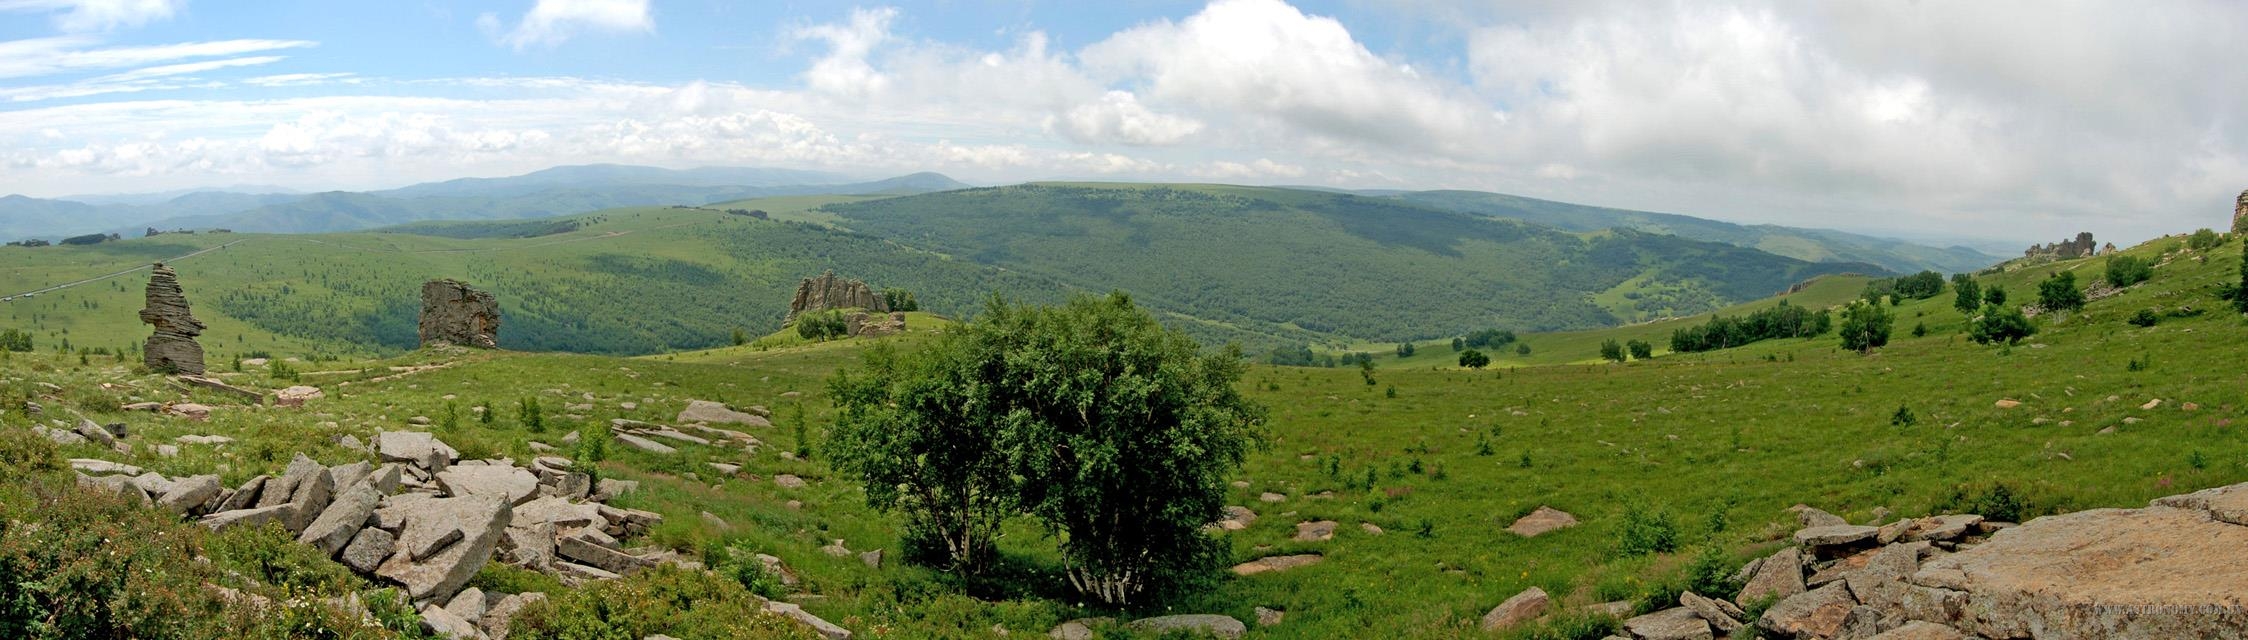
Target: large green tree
918, 428
1122, 432
1111, 430
2059, 293
1865, 326
1969, 294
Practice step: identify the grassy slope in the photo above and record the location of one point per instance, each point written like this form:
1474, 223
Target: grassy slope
1729, 432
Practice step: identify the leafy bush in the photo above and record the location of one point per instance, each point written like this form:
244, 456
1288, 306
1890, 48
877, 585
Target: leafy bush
1645, 530
2003, 325
2144, 318
1473, 359
1997, 502
1711, 574
1488, 338
2124, 271
2204, 239
528, 413
1865, 326
1611, 350
1780, 321
1969, 295
1640, 349
15, 340
2059, 293
665, 600
1996, 294
822, 326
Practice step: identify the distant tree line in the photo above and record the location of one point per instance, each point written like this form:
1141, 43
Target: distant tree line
1780, 321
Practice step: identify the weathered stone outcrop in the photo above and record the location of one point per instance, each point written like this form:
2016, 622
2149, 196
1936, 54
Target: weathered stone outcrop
455, 313
2240, 214
172, 349
828, 292
2081, 247
869, 325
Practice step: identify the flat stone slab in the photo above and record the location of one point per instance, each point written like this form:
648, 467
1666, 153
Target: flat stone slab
644, 444
708, 412
1209, 623
1542, 521
512, 484
1835, 535
1276, 563
477, 521
2157, 572
1669, 624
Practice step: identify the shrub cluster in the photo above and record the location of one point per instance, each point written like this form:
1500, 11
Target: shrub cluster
1781, 321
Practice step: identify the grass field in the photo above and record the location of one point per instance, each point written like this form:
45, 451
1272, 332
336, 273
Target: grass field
1717, 444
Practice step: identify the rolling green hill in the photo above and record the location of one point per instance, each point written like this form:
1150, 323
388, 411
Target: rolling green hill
1814, 245
1297, 264
1711, 447
1261, 267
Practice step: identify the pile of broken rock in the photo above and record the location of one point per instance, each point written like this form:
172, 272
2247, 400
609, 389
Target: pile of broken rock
2173, 569
428, 521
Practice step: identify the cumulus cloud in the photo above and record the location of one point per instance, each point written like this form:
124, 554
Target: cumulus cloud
844, 70
1119, 117
1294, 73
98, 15
552, 22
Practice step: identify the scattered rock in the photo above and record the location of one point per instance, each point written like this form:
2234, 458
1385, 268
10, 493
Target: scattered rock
502, 612
1779, 575
707, 412
1318, 531
1370, 528
455, 313
444, 624
190, 494
1919, 630
1668, 624
1817, 613
340, 522
787, 481
1845, 535
826, 629
873, 559
1542, 521
1275, 563
190, 410
644, 444
1270, 617
1215, 625
296, 396
2007, 403
512, 484
1721, 615
1523, 607
474, 522
368, 549
1271, 497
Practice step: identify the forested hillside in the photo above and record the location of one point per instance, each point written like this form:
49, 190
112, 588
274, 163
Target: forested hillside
1272, 260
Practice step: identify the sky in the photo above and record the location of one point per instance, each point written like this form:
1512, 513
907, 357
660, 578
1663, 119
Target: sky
1990, 119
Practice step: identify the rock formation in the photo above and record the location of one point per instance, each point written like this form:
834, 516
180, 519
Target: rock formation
2170, 570
173, 348
830, 292
2081, 247
870, 325
2240, 214
455, 313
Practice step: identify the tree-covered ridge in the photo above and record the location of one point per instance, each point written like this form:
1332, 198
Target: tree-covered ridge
1278, 262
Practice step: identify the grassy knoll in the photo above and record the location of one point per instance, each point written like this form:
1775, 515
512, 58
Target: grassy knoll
1716, 444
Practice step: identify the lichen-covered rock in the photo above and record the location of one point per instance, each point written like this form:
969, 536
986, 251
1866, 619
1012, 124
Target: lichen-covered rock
828, 292
1817, 613
1206, 623
455, 313
474, 525
1523, 607
1541, 521
2157, 572
172, 349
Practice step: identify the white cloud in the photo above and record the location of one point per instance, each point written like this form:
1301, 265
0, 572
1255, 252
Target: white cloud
1289, 73
303, 79
98, 15
552, 22
844, 71
1119, 117
65, 54
186, 68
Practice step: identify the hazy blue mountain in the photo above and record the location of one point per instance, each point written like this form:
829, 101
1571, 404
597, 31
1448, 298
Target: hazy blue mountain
1815, 245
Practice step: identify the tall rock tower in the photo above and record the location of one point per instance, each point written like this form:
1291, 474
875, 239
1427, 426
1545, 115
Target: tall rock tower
173, 348
2240, 214
455, 313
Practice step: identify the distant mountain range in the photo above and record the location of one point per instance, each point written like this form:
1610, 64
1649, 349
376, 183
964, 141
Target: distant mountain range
1813, 245
551, 192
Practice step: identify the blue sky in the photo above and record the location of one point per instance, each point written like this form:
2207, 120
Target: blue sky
2011, 119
